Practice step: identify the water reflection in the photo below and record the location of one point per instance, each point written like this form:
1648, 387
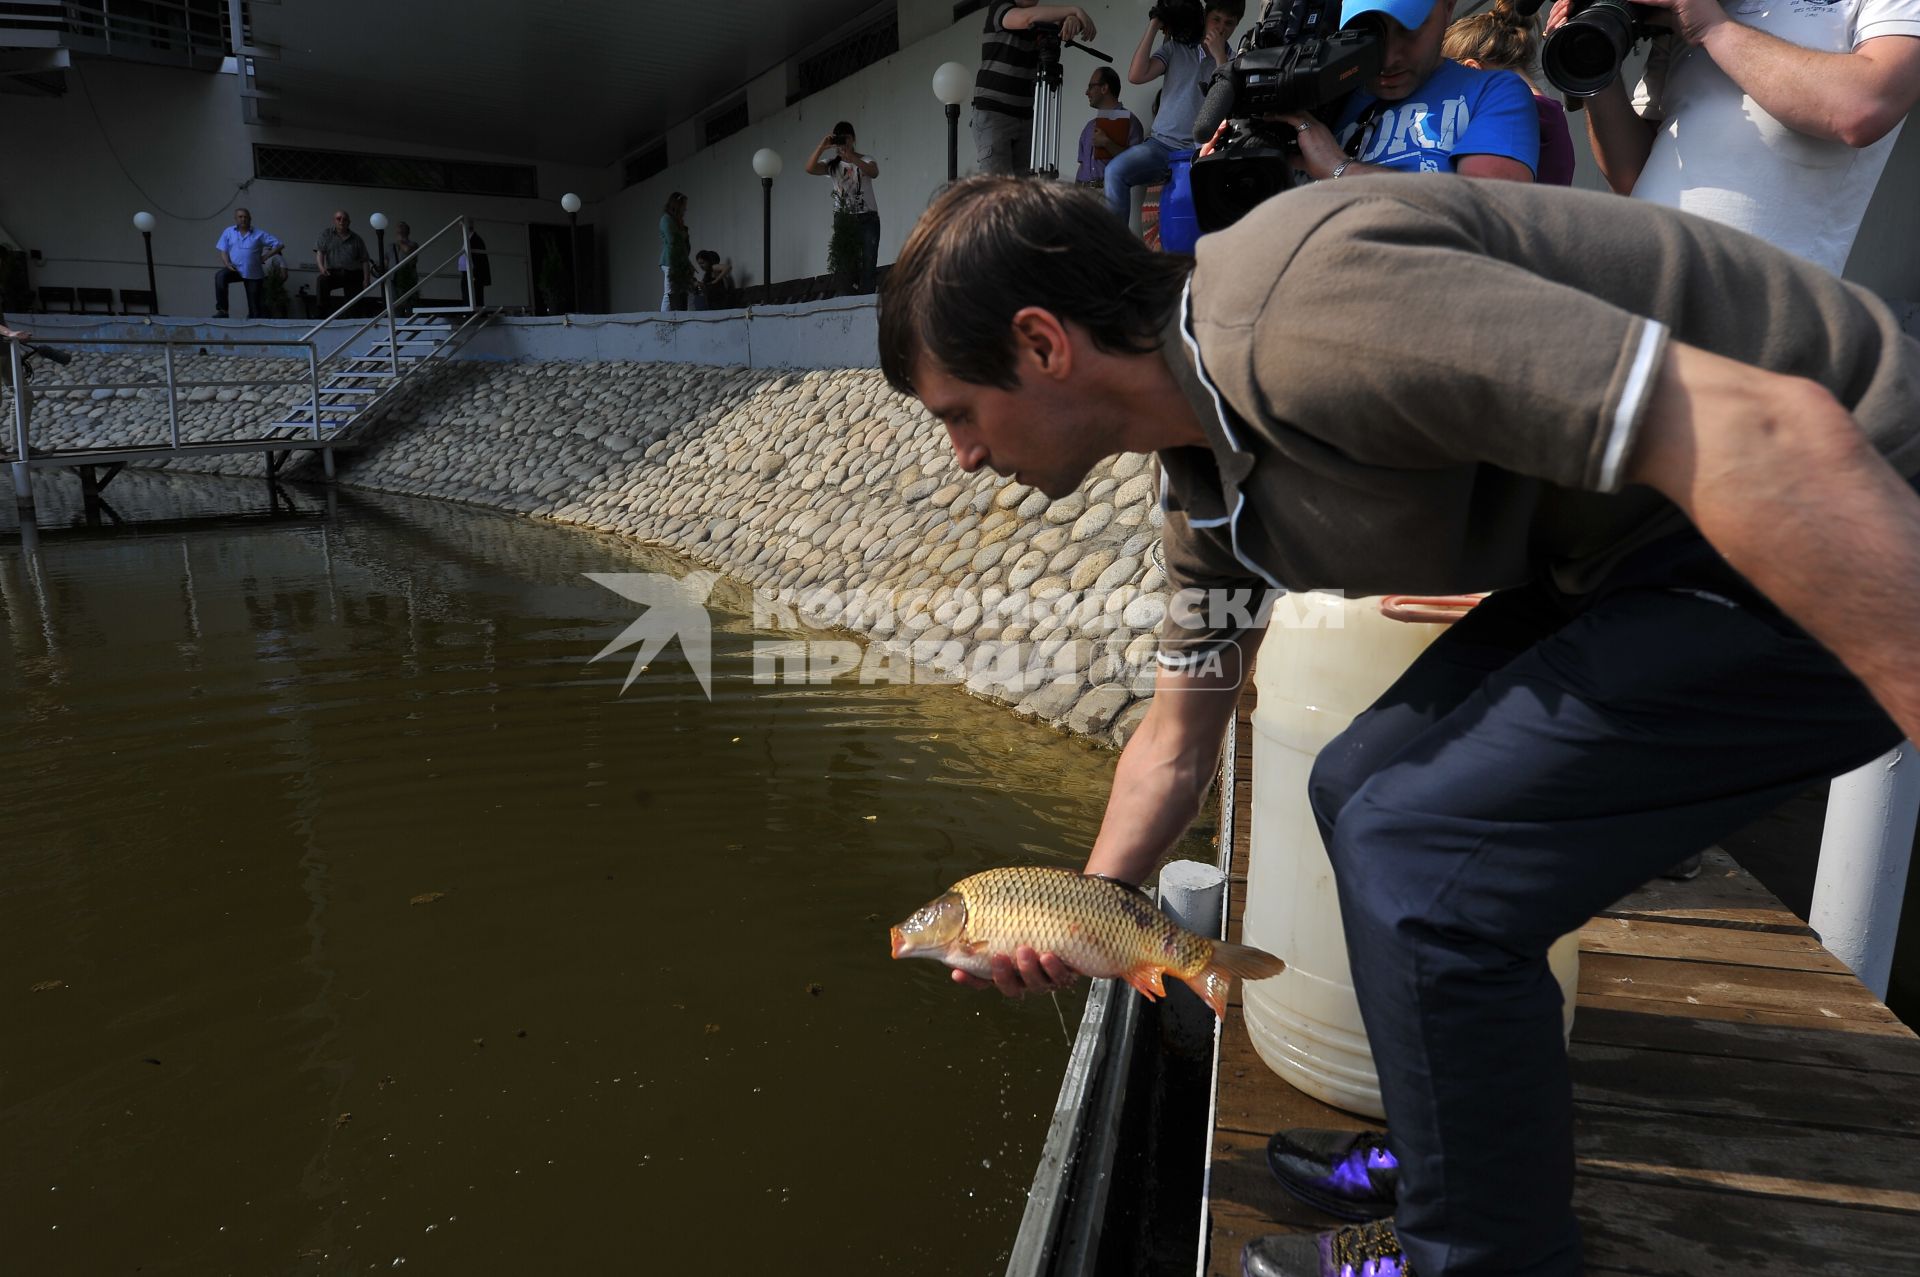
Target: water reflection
341, 899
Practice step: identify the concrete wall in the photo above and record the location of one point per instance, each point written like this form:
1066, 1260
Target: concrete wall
127, 137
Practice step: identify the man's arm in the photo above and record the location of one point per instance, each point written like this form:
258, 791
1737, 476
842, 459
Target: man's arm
226, 258
1855, 97
1073, 20
1163, 775
815, 165
1146, 66
1780, 479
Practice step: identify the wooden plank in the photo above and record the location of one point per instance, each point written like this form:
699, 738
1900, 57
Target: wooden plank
1643, 937
1862, 1168
1869, 1052
1247, 1202
1659, 1230
1722, 893
1718, 991
1790, 1094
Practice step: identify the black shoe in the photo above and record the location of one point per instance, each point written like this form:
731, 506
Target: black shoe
219, 314
1359, 1250
1686, 870
1350, 1175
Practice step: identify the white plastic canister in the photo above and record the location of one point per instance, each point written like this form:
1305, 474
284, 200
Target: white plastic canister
1319, 666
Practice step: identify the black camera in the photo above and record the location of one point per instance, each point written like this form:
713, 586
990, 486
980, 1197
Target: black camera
1297, 60
1182, 21
838, 139
1584, 53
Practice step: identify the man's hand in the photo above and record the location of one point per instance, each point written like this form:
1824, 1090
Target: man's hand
14, 334
1690, 19
1076, 24
1319, 153
1027, 971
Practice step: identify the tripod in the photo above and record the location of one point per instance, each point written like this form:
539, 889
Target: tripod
1043, 146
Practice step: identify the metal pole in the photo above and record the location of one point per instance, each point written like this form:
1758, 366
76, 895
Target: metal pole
1864, 854
393, 335
22, 475
153, 289
766, 233
173, 396
573, 233
466, 257
313, 377
953, 141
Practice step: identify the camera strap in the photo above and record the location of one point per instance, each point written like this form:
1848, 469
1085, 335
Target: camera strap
1363, 129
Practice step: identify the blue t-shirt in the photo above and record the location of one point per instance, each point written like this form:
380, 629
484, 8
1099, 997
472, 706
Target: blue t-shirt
1459, 111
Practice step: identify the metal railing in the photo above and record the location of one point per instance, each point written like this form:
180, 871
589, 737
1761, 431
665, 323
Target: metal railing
170, 31
458, 234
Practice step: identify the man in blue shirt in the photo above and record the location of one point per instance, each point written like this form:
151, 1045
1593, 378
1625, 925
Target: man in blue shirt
243, 256
1423, 113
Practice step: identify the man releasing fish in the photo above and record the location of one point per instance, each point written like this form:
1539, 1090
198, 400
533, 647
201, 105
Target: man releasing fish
1097, 926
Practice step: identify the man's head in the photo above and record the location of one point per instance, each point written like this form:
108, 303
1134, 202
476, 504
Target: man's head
1223, 16
242, 219
1410, 34
1103, 89
341, 222
707, 257
402, 229
844, 131
1001, 299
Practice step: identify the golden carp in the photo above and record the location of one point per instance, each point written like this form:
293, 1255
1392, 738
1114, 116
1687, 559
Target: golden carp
1097, 927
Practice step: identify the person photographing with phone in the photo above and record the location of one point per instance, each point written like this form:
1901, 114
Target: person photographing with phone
852, 173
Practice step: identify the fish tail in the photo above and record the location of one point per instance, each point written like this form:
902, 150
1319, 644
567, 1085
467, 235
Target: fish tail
1213, 980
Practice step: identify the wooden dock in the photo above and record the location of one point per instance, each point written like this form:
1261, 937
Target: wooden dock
1743, 1104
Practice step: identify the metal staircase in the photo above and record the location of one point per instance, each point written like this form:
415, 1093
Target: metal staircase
360, 382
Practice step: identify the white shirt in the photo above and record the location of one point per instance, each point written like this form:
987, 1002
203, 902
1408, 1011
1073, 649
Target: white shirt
1720, 155
853, 189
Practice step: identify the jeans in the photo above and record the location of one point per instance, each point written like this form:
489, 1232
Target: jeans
223, 280
869, 251
1543, 758
1141, 165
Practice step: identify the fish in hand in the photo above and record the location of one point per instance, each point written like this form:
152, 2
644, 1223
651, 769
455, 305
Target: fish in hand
1098, 927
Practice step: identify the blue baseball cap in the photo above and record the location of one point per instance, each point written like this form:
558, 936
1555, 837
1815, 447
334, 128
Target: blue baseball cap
1408, 13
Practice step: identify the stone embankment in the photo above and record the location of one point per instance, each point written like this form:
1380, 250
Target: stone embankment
835, 499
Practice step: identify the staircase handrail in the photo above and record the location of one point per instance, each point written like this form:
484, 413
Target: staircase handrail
340, 318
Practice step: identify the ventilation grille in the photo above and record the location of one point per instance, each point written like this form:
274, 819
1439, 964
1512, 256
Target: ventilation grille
398, 172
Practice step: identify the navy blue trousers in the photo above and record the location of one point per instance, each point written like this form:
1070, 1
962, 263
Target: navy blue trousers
1545, 757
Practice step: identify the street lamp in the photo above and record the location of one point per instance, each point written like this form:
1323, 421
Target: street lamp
379, 223
951, 83
144, 223
767, 163
571, 203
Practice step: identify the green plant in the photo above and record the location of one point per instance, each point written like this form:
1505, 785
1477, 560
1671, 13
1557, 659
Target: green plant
844, 247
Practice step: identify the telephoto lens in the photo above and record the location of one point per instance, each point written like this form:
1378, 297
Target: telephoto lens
1584, 53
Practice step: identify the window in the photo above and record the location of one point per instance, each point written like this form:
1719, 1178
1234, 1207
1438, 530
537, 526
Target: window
861, 49
644, 164
398, 172
725, 122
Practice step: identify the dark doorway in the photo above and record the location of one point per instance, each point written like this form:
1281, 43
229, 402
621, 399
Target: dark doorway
551, 246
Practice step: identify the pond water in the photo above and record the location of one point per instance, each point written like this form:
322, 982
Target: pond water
350, 918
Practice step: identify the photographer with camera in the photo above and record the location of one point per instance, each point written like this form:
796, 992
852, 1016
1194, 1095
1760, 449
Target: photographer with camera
1195, 44
852, 174
1776, 119
1002, 123
1422, 113
1408, 385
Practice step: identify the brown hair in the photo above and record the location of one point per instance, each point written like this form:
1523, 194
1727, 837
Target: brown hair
990, 246
1497, 40
675, 201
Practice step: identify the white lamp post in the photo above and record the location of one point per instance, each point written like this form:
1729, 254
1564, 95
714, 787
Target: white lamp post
379, 223
951, 83
571, 203
144, 223
767, 163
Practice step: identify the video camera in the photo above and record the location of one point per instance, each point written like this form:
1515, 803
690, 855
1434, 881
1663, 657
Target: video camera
1584, 53
1182, 21
1297, 60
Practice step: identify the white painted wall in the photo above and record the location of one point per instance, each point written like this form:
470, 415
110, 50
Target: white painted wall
900, 124
180, 137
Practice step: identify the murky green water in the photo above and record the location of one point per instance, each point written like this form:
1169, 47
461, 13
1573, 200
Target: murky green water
646, 1021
